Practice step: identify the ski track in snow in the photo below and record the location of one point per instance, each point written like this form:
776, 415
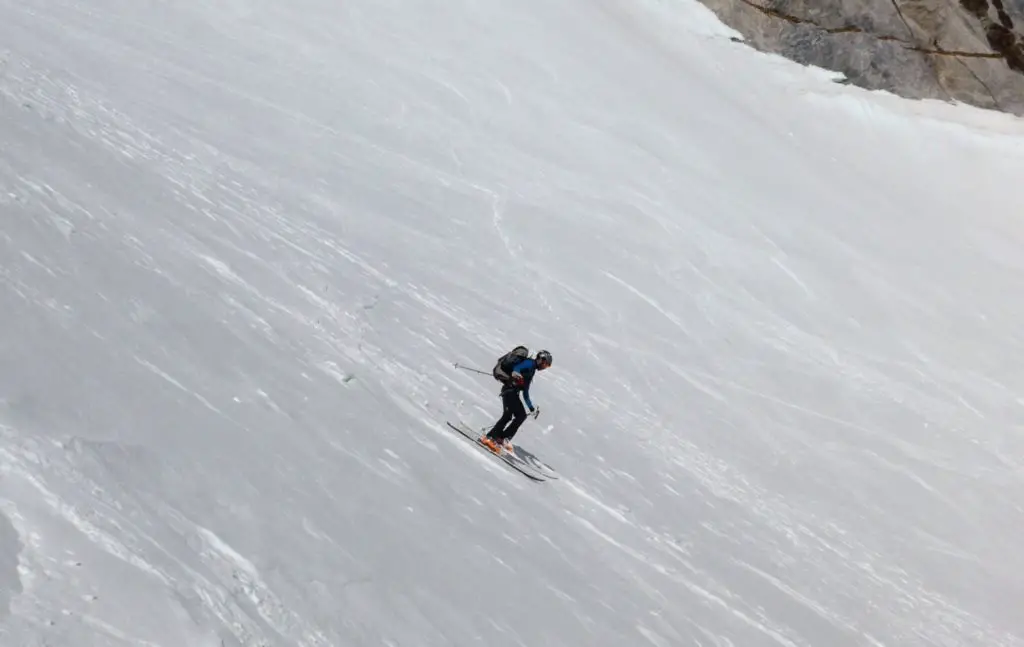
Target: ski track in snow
242, 246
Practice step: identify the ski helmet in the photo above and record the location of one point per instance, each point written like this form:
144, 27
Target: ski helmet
543, 358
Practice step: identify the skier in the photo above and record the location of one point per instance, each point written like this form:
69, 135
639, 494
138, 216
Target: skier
515, 371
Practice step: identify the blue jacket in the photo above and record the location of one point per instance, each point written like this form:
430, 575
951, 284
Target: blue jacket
527, 368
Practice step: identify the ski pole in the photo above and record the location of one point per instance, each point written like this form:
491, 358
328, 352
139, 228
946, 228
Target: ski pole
469, 368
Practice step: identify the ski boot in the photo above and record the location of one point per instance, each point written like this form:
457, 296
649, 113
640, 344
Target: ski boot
491, 444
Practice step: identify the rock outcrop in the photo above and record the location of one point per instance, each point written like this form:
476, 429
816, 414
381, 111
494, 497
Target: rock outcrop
965, 50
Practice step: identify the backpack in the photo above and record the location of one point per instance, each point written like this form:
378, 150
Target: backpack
503, 368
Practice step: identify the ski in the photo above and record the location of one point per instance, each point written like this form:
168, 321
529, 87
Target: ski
512, 461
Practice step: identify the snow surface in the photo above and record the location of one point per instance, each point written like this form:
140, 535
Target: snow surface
244, 241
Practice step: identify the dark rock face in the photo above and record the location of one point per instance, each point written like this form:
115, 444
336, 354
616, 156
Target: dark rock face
965, 50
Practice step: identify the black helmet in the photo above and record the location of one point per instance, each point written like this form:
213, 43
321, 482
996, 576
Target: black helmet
543, 357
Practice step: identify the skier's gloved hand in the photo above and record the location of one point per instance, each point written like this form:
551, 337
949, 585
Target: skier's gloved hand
534, 412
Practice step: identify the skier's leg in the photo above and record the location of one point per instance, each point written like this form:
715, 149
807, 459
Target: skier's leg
518, 413
498, 431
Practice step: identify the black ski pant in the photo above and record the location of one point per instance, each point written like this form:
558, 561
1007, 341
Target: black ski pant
511, 418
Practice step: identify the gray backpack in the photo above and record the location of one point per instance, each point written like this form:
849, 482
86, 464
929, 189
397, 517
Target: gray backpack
503, 369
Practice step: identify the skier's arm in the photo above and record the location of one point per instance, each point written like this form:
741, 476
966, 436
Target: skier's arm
526, 397
525, 365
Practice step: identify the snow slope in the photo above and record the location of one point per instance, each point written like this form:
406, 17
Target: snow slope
242, 243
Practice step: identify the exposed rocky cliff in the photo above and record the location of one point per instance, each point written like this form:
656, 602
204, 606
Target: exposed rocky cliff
967, 50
